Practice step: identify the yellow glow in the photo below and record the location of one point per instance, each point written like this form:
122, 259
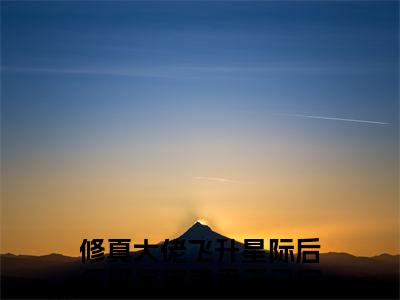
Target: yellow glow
202, 221
299, 190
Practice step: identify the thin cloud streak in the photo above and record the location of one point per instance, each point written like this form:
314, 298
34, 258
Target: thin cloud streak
167, 73
220, 179
335, 119
288, 67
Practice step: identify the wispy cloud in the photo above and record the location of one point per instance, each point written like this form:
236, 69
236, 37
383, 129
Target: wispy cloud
132, 72
335, 119
194, 71
220, 179
285, 66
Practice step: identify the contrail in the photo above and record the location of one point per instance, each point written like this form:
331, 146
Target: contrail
219, 179
335, 119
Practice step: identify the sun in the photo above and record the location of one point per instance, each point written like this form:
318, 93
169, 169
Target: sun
202, 221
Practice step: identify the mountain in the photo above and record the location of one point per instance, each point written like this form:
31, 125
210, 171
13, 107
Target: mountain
337, 275
30, 266
200, 231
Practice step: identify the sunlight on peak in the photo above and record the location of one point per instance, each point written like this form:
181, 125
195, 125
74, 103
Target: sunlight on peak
202, 221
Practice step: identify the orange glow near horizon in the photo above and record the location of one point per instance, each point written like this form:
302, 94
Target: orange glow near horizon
163, 212
301, 188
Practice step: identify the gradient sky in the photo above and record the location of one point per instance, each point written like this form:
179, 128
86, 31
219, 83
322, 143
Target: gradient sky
133, 119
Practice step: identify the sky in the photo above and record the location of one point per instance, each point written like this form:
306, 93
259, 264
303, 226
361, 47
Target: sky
134, 119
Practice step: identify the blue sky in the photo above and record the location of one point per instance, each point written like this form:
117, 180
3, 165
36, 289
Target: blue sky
335, 58
87, 67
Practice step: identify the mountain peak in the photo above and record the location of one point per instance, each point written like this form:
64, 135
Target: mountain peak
198, 225
200, 231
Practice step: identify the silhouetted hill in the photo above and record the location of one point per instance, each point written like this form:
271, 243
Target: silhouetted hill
337, 274
34, 266
200, 231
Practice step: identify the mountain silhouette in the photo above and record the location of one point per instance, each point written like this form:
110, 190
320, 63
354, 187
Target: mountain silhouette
200, 231
337, 275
